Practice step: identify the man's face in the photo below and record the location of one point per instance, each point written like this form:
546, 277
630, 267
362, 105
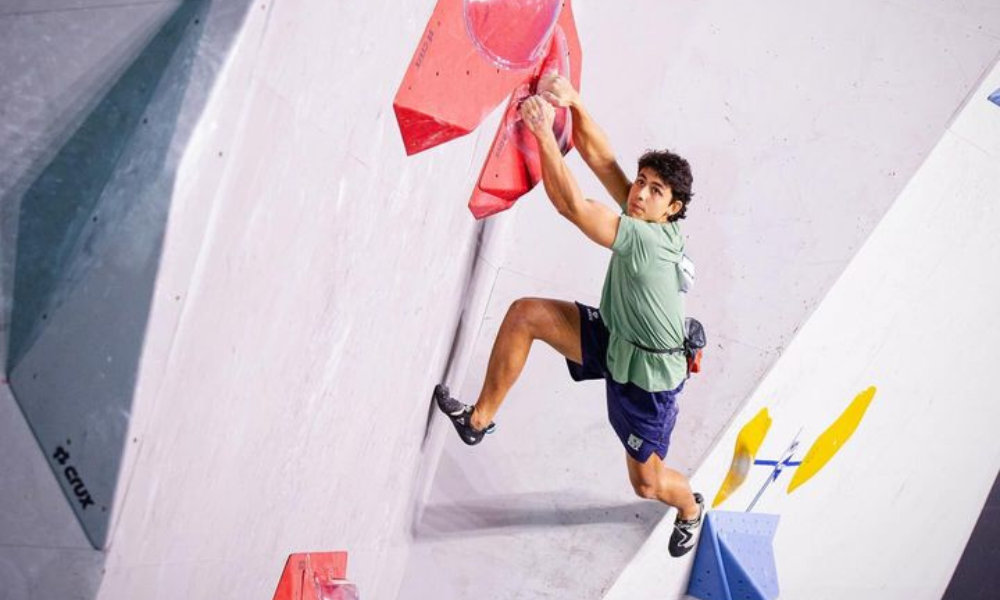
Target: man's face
650, 199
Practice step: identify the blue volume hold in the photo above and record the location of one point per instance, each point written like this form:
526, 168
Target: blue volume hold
708, 577
735, 558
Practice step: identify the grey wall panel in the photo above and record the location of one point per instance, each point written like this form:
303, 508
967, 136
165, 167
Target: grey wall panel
71, 205
87, 255
41, 7
56, 68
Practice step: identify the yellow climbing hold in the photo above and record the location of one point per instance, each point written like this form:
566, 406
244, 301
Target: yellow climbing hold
831, 440
747, 444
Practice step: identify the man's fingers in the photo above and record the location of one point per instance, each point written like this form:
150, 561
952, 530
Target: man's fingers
547, 109
527, 108
552, 78
536, 112
556, 90
547, 81
531, 106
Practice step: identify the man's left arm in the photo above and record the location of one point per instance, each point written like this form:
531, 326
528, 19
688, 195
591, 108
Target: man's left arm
594, 219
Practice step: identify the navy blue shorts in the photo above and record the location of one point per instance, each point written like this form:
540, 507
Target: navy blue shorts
643, 420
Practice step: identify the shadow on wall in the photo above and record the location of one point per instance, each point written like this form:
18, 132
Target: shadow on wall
90, 234
522, 512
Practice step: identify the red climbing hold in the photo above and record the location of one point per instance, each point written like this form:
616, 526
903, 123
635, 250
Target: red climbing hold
472, 55
316, 576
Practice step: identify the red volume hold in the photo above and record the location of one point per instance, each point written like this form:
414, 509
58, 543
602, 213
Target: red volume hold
316, 576
466, 63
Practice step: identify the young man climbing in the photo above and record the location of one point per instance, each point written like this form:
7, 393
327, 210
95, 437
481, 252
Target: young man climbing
635, 340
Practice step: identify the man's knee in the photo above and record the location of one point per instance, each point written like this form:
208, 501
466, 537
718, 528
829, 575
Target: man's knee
523, 313
652, 488
645, 489
556, 322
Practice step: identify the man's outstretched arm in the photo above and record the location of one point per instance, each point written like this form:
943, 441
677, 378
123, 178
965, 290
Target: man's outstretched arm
589, 139
596, 220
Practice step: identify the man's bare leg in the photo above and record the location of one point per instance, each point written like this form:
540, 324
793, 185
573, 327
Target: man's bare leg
653, 480
555, 322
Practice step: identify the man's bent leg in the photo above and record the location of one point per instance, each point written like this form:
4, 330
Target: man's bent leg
555, 322
653, 480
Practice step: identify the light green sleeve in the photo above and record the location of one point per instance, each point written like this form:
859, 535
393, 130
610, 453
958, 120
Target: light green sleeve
626, 236
634, 243
643, 240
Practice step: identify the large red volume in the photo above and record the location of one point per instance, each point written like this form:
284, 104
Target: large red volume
450, 85
472, 55
512, 167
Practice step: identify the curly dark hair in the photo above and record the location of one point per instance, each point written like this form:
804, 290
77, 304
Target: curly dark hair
675, 172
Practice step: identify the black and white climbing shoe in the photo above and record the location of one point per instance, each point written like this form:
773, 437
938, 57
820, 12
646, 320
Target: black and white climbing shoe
682, 540
460, 415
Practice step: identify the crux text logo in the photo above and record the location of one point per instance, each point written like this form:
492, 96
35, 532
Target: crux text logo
61, 456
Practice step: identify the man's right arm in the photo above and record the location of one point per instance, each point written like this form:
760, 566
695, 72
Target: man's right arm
589, 139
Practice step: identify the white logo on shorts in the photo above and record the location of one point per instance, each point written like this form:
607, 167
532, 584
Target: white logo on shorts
634, 442
592, 315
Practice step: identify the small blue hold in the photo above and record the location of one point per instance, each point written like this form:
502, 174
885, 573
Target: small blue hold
995, 97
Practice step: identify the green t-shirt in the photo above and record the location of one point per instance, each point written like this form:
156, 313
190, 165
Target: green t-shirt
642, 303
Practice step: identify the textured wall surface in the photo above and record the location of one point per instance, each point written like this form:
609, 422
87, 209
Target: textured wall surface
302, 284
285, 286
